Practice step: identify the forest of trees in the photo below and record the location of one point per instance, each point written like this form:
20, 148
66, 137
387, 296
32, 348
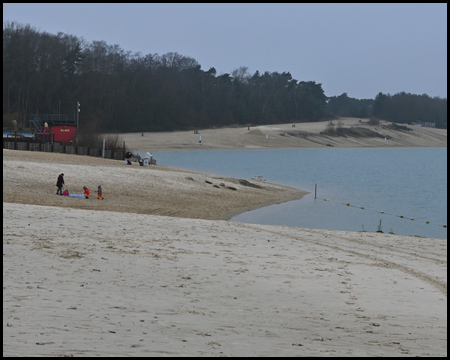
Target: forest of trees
123, 92
343, 105
407, 108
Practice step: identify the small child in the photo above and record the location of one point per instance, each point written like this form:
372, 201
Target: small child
86, 192
99, 191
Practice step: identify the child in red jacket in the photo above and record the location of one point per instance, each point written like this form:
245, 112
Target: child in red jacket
86, 192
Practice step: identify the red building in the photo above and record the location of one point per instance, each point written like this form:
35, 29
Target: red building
64, 133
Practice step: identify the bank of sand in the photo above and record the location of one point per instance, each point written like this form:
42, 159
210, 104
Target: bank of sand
156, 269
360, 134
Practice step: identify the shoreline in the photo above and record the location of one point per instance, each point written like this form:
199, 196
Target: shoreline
154, 190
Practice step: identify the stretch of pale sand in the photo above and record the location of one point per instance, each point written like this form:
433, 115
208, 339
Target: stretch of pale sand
120, 278
94, 283
300, 135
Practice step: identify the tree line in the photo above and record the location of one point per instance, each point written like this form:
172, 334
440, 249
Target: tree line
124, 92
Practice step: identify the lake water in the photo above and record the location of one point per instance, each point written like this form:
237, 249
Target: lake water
392, 190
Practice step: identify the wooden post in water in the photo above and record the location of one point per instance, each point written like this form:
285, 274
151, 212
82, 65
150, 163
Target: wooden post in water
315, 191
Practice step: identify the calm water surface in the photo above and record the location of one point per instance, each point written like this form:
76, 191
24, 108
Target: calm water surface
392, 186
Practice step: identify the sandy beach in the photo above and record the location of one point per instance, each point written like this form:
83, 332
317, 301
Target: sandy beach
156, 268
301, 135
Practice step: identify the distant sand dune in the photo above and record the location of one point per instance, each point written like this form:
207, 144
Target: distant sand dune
287, 136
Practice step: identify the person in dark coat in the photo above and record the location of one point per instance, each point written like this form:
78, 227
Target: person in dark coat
59, 184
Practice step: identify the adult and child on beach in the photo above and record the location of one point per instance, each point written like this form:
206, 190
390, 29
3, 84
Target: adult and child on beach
60, 182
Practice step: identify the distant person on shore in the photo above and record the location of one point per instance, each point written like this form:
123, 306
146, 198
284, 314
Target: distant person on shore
86, 192
59, 184
150, 158
100, 193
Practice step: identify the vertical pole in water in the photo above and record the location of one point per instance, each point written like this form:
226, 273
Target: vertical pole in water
315, 191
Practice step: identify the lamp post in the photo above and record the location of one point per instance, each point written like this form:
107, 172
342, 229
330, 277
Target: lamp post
78, 111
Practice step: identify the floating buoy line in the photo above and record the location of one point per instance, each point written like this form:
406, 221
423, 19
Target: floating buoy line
382, 212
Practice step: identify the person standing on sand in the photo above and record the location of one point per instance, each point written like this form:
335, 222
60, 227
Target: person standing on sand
59, 184
100, 193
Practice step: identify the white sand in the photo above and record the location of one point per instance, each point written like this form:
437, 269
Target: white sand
91, 283
80, 280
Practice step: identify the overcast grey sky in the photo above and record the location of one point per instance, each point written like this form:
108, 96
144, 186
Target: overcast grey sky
360, 49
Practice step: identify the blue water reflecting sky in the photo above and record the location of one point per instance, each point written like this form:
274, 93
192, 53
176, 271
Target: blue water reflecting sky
388, 183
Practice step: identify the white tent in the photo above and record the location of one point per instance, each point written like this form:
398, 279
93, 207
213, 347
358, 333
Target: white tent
148, 160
